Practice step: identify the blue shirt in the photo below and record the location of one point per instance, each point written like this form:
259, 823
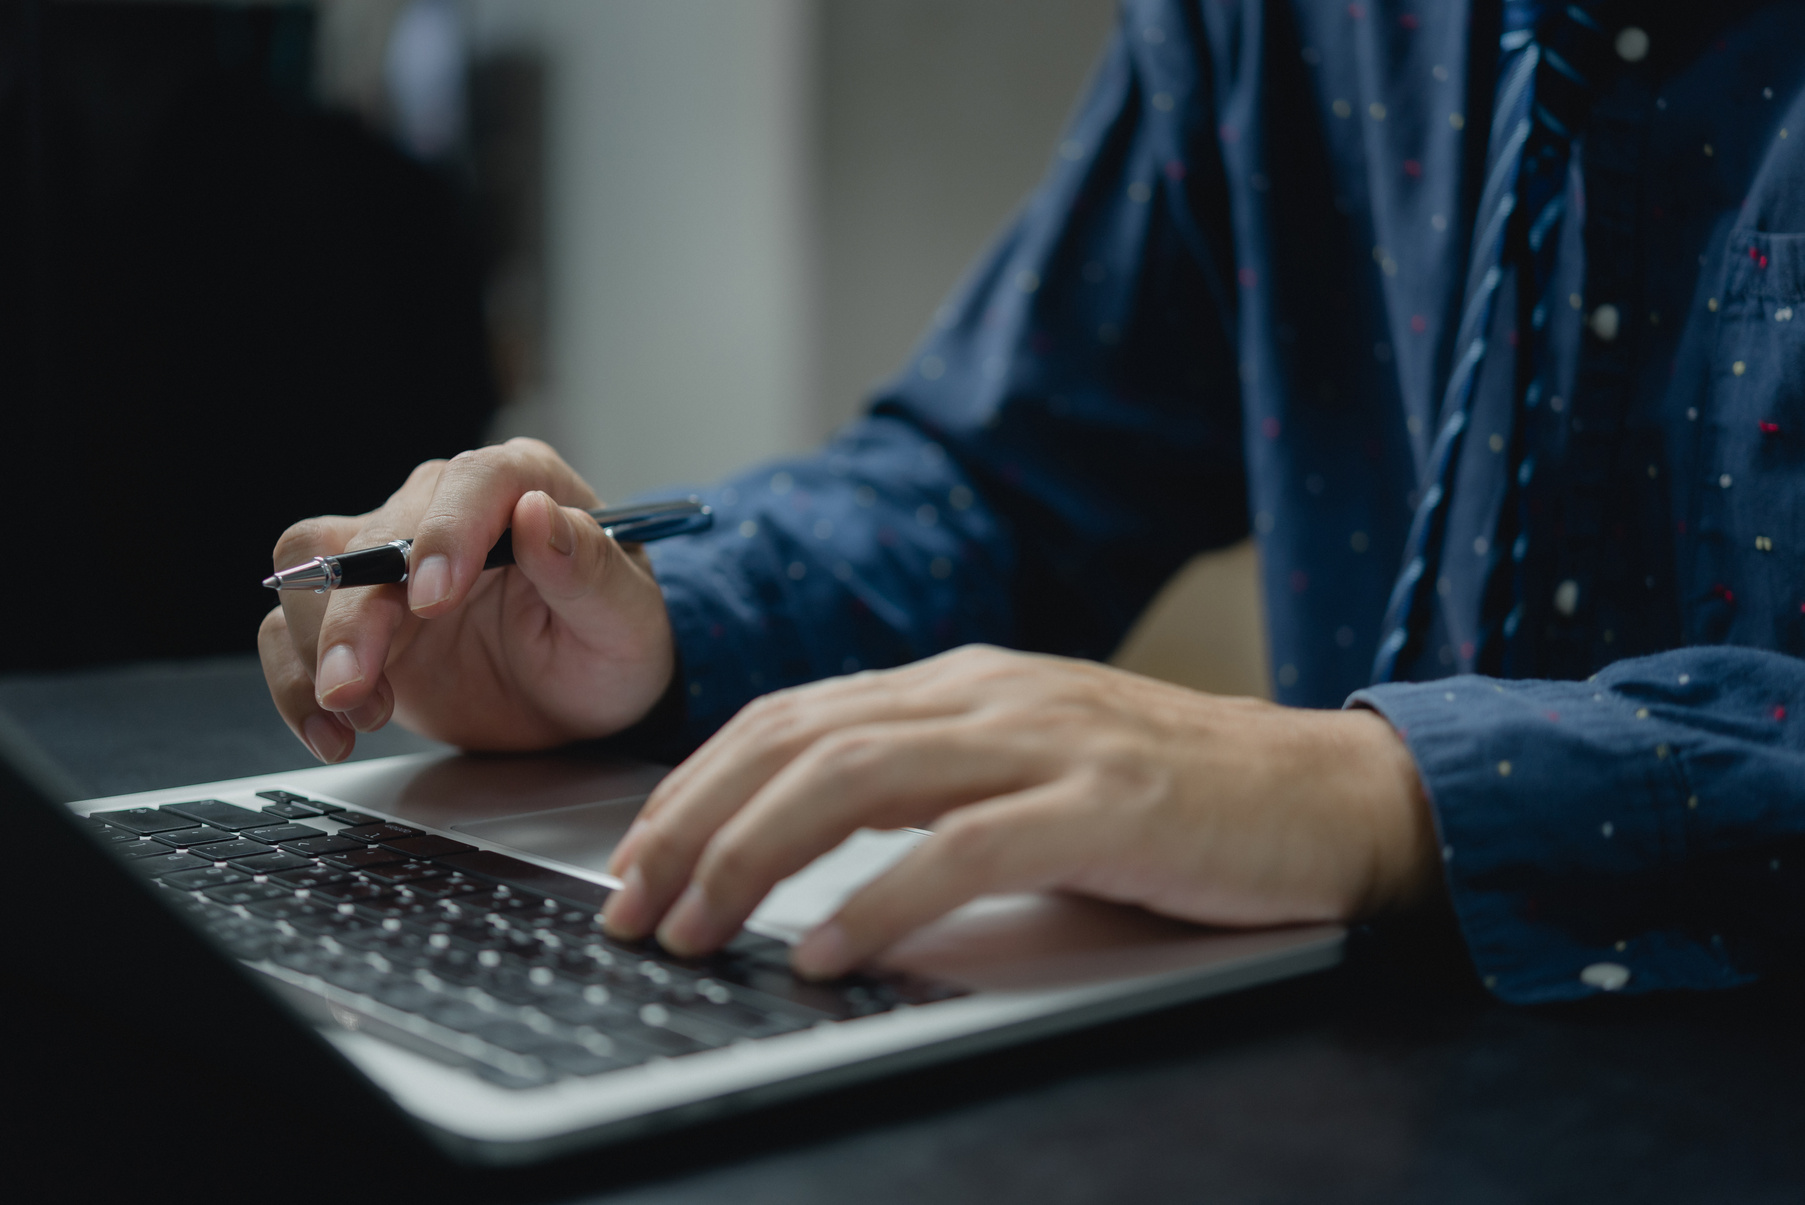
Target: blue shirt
1229, 308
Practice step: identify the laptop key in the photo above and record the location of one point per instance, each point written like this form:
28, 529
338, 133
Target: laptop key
275, 908
358, 977
573, 1009
427, 846
508, 986
390, 908
312, 876
247, 893
403, 872
453, 1013
441, 889
405, 994
344, 816
109, 835
219, 814
208, 876
271, 834
140, 847
512, 1035
167, 862
273, 861
348, 891
291, 811
199, 835
571, 1059
145, 820
357, 859
314, 847
382, 830
225, 851
665, 1041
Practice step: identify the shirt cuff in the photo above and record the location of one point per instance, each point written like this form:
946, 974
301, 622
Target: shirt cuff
1561, 813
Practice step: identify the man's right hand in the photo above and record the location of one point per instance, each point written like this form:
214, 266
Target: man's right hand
571, 642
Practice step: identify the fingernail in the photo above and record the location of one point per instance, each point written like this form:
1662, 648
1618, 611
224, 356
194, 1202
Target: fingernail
558, 532
429, 582
326, 737
623, 914
824, 954
338, 669
690, 926
369, 715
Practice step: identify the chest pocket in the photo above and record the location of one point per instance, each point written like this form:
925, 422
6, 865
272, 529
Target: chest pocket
1752, 496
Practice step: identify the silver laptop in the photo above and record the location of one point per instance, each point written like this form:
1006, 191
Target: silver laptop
433, 917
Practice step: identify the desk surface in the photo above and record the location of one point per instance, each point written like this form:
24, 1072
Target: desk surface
1387, 1080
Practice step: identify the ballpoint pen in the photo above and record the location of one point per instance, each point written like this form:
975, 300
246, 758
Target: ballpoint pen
386, 564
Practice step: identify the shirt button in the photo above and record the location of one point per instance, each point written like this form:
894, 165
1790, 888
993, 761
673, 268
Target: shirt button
1632, 44
1605, 976
1605, 321
1566, 597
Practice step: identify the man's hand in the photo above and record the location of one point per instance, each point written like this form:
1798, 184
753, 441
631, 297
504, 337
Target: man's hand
1035, 773
571, 642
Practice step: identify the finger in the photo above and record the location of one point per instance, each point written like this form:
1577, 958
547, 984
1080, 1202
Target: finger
875, 776
327, 736
324, 535
579, 571
472, 504
1029, 841
358, 627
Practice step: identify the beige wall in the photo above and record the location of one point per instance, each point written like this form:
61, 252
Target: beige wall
937, 118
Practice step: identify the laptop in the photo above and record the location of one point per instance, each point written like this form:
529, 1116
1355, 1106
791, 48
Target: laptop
420, 933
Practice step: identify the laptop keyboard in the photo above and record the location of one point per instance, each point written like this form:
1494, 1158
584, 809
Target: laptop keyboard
481, 959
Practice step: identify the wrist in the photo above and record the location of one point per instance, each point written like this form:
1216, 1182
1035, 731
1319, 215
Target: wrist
1405, 859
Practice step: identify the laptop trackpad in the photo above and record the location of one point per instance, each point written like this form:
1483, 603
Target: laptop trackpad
582, 836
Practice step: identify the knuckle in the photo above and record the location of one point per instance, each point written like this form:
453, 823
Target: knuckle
971, 841
656, 853
849, 754
986, 662
426, 469
527, 446
771, 717
727, 867
302, 540
1120, 772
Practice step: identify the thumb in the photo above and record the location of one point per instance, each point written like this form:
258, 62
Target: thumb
606, 596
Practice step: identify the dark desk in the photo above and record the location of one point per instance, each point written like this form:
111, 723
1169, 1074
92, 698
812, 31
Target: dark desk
1384, 1081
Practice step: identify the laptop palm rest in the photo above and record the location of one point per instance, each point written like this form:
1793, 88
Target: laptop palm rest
996, 943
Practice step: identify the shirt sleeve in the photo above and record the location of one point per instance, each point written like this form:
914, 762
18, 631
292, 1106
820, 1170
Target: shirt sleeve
1639, 831
1061, 440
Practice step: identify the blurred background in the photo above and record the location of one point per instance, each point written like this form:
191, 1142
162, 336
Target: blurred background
273, 255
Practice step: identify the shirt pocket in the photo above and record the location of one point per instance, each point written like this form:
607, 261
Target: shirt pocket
1754, 473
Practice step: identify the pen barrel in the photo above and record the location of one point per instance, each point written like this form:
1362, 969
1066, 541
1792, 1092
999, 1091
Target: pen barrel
503, 553
372, 566
628, 524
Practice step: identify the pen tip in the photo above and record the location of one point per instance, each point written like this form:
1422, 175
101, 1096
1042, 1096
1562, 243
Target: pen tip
273, 582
